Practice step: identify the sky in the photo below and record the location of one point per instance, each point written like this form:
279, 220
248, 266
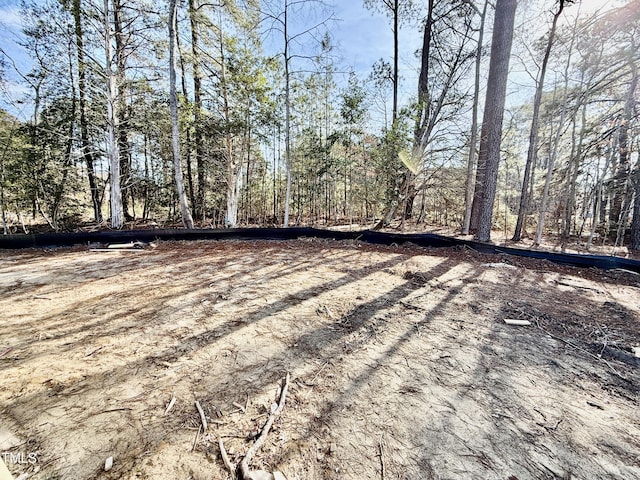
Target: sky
362, 37
9, 36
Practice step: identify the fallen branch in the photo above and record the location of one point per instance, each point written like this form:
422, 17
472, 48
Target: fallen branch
116, 250
5, 351
245, 471
171, 404
94, 351
514, 321
239, 407
380, 446
126, 246
315, 377
203, 419
195, 440
225, 459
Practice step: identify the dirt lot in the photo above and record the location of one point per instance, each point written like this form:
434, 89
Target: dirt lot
401, 364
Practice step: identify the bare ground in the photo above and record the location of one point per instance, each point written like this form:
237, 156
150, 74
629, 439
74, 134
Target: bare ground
401, 364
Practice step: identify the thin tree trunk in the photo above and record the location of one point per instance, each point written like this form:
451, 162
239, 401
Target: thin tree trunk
556, 144
597, 202
121, 111
547, 181
85, 145
187, 220
117, 215
533, 134
233, 175
635, 220
395, 61
146, 192
68, 159
622, 170
287, 121
3, 207
200, 205
407, 187
471, 163
185, 93
572, 175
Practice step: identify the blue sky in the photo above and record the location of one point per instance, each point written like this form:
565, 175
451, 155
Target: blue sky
362, 37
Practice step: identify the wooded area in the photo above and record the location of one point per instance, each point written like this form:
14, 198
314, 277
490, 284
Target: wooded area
240, 113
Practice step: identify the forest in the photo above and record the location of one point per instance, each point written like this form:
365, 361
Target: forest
522, 119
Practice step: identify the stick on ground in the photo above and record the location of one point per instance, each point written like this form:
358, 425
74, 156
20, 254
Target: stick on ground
244, 465
5, 351
171, 404
195, 440
380, 447
203, 419
225, 459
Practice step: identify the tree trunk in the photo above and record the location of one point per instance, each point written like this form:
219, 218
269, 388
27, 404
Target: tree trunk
533, 134
117, 215
85, 145
200, 206
547, 180
423, 79
287, 119
233, 166
67, 163
121, 111
572, 176
471, 162
622, 170
491, 136
635, 221
185, 93
395, 62
407, 191
556, 142
187, 220
3, 206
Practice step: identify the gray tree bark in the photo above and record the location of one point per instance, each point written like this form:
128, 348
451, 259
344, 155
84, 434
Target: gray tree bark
86, 147
200, 206
634, 244
471, 162
491, 136
115, 193
287, 117
187, 220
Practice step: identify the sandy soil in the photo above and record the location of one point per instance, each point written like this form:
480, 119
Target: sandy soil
401, 364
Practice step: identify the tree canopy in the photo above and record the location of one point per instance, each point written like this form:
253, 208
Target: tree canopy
270, 125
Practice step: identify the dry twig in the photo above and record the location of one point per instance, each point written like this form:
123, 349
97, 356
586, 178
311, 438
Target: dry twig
172, 402
195, 440
5, 351
225, 459
380, 446
203, 419
239, 407
244, 465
